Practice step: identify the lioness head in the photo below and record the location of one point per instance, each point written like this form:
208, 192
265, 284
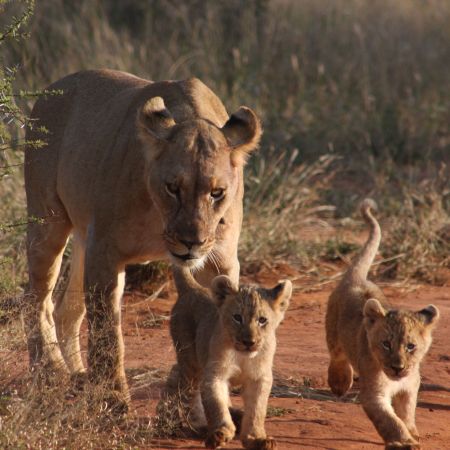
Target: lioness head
398, 339
250, 314
194, 174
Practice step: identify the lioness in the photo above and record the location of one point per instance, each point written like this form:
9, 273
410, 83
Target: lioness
383, 345
225, 342
136, 171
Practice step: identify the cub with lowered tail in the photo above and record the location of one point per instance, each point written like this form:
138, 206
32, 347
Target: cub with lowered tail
383, 345
227, 340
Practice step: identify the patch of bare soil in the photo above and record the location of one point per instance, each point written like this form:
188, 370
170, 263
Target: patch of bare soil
302, 412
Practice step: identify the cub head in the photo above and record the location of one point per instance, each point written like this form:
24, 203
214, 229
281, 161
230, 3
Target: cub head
194, 174
398, 339
250, 314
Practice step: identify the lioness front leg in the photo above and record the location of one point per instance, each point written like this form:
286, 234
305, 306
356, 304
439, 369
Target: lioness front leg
391, 428
253, 434
215, 397
70, 310
104, 287
45, 247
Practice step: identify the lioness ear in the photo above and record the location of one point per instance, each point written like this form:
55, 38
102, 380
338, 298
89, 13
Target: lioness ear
154, 119
243, 132
373, 311
429, 315
281, 295
222, 286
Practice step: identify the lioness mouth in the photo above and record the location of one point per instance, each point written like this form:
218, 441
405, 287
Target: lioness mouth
185, 257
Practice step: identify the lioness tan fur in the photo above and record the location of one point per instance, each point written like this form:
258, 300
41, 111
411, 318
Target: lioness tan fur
136, 171
383, 345
221, 342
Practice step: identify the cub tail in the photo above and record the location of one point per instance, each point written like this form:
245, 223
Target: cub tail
361, 264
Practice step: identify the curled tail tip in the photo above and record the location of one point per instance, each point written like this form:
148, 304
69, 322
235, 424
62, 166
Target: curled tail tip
368, 205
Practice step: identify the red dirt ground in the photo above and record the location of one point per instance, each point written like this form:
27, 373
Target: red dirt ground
311, 417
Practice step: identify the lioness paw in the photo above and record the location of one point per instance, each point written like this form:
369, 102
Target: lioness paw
112, 403
219, 437
267, 443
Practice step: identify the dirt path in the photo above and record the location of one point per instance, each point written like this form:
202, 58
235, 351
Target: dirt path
303, 412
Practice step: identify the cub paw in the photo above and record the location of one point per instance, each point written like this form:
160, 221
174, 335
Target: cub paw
267, 443
414, 433
219, 437
409, 445
340, 380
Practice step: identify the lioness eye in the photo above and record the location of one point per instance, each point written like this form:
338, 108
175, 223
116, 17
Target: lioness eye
262, 321
237, 318
410, 347
217, 194
172, 189
386, 345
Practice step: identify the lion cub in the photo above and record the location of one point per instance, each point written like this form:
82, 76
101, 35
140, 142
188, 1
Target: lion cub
383, 345
224, 341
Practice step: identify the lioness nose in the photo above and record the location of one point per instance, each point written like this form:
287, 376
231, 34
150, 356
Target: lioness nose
190, 244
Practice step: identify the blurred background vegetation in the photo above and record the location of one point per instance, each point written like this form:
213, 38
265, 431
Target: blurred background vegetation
354, 96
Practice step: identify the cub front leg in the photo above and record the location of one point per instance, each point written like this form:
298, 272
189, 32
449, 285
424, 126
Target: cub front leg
215, 399
404, 404
390, 427
253, 434
104, 284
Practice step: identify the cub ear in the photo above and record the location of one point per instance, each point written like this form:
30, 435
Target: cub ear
281, 295
429, 315
222, 286
243, 132
154, 119
373, 311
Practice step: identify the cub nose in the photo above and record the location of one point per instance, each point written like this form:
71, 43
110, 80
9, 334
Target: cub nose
248, 343
397, 368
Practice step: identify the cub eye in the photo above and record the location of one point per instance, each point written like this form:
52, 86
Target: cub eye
217, 194
410, 347
262, 321
172, 189
386, 345
237, 318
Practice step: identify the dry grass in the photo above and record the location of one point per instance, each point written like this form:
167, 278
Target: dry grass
282, 196
418, 229
41, 413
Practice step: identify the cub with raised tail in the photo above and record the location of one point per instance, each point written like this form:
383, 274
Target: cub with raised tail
225, 341
383, 345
